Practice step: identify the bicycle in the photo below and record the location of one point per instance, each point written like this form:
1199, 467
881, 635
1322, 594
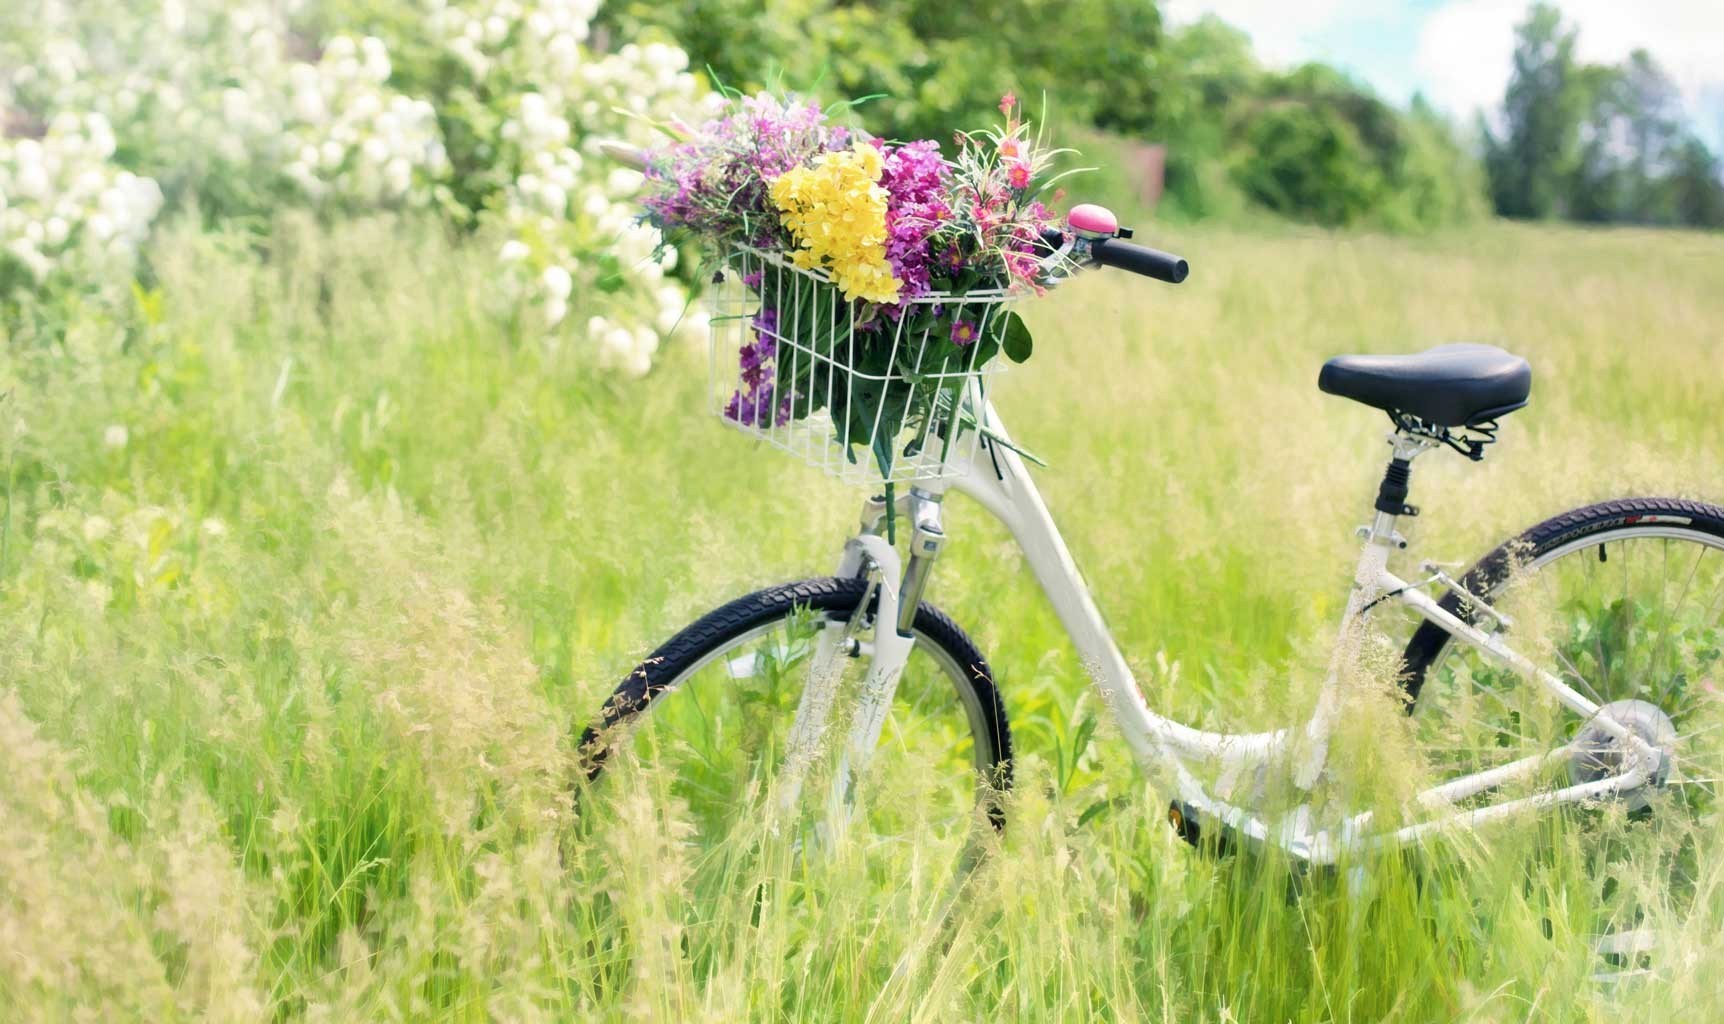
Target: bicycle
1612, 702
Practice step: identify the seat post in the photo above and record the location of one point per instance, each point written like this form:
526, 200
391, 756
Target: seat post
1396, 485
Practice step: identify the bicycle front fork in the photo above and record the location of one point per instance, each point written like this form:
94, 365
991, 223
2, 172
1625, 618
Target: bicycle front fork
927, 540
899, 594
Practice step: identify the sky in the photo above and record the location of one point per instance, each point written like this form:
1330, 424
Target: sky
1457, 52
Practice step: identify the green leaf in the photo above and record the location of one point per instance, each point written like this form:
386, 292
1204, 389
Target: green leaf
1015, 339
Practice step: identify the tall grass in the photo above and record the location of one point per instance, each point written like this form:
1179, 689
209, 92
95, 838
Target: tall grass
311, 572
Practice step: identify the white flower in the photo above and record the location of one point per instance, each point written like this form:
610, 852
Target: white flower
211, 90
116, 436
617, 345
376, 58
235, 105
557, 282
398, 176
553, 198
31, 180
340, 48
671, 303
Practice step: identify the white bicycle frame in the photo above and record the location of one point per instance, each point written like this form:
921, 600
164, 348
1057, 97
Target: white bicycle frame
999, 482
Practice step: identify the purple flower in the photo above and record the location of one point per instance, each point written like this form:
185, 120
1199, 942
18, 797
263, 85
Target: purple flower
715, 185
754, 408
915, 180
964, 332
754, 366
751, 404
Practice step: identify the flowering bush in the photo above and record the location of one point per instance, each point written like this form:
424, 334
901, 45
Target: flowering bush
523, 104
66, 212
481, 110
893, 239
348, 137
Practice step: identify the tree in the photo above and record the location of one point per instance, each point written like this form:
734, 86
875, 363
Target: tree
1697, 185
1654, 113
1207, 69
1531, 164
1599, 190
1317, 147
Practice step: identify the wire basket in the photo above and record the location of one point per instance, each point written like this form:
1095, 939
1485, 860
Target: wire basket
893, 400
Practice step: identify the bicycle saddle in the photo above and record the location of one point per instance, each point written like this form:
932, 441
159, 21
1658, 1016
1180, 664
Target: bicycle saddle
1449, 386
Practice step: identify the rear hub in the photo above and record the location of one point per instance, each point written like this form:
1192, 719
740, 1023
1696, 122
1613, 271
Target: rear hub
1599, 755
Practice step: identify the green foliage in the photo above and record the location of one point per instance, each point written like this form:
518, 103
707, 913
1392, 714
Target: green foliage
931, 67
1696, 185
1316, 148
1309, 144
1206, 68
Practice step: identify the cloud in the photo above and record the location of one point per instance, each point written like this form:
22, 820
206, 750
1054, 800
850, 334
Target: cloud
1466, 47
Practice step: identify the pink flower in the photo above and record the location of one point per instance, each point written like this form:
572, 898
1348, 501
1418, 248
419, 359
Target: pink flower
1019, 174
1007, 102
1009, 148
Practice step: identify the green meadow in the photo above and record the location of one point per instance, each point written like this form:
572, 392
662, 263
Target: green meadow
312, 569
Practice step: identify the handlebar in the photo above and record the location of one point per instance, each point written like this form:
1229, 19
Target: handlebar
1093, 237
1139, 259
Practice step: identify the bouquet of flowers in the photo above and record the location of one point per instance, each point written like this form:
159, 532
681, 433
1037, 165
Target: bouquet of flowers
875, 273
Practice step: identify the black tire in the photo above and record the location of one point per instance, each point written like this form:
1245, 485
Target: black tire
1428, 641
1615, 646
836, 599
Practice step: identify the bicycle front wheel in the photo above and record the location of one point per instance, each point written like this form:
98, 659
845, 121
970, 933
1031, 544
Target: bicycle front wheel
706, 721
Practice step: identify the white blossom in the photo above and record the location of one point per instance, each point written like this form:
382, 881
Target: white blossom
198, 91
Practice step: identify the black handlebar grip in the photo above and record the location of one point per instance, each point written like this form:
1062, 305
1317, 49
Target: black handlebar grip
1163, 266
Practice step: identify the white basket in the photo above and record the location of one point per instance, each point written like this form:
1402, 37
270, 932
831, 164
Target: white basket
761, 301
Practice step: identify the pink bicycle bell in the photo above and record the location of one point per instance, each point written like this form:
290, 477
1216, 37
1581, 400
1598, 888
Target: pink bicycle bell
1090, 221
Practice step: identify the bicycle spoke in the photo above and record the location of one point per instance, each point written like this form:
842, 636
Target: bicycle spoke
1573, 670
1638, 639
713, 746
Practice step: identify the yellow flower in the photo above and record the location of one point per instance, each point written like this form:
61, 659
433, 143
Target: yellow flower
836, 212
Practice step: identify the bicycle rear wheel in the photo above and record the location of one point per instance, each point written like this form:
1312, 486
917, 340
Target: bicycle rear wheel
1622, 600
706, 720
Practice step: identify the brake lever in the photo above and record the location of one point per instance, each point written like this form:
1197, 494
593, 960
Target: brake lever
1059, 257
